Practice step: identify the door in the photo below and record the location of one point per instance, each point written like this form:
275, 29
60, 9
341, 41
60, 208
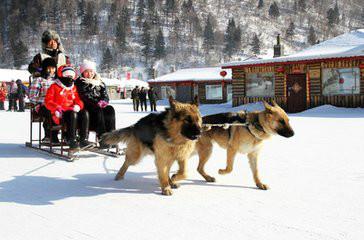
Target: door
296, 93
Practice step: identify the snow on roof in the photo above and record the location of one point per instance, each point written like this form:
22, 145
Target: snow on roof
124, 83
7, 75
346, 45
194, 74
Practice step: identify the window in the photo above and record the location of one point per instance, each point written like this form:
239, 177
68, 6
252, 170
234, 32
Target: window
213, 92
260, 84
167, 91
337, 81
229, 88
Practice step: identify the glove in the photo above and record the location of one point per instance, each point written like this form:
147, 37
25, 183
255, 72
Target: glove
102, 104
76, 108
58, 113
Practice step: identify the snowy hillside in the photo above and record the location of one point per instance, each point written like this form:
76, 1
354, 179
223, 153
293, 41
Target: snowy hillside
192, 32
316, 180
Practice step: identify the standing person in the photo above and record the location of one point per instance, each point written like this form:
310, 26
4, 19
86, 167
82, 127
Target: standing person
92, 91
37, 92
143, 99
21, 92
135, 97
52, 48
12, 96
152, 95
3, 93
64, 103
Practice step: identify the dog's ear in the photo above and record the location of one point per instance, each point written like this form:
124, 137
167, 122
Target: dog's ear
172, 102
195, 101
267, 106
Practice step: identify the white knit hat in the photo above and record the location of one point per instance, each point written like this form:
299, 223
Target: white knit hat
87, 65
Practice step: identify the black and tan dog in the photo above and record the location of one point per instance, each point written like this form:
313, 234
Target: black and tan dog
242, 139
170, 135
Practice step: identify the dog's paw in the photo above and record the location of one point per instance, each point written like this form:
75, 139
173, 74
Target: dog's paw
224, 171
210, 179
174, 185
262, 186
178, 177
167, 191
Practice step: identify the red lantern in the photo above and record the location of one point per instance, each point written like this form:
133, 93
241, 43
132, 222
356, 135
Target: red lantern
280, 69
223, 73
361, 65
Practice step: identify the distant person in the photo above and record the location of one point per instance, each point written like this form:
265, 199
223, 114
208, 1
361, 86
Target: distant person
143, 99
152, 95
93, 93
37, 93
20, 95
3, 93
135, 97
52, 48
12, 96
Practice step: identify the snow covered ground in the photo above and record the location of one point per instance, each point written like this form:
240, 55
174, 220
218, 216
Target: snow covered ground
316, 180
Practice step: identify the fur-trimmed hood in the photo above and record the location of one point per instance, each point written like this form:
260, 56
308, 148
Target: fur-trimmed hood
49, 35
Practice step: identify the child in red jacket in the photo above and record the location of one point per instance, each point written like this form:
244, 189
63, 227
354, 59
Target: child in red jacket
63, 102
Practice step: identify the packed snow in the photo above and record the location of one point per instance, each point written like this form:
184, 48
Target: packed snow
316, 180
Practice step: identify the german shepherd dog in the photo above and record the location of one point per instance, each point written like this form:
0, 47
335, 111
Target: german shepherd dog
170, 135
242, 139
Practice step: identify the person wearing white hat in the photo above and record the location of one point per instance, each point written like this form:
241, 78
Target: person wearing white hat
92, 91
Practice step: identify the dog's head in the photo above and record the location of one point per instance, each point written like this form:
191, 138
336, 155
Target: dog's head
276, 121
185, 119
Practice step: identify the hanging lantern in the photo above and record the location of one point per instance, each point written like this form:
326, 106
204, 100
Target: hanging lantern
223, 74
280, 69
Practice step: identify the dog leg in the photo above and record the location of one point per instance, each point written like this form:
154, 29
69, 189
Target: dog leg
163, 167
204, 153
181, 174
253, 161
132, 156
231, 152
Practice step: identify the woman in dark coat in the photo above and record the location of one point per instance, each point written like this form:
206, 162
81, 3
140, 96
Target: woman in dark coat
92, 91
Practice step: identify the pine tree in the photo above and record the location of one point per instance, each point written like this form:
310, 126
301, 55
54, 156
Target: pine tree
107, 60
89, 21
209, 36
290, 30
336, 13
229, 38
20, 53
170, 7
125, 18
302, 5
255, 44
331, 18
146, 41
260, 4
237, 38
121, 34
274, 10
312, 39
140, 13
159, 46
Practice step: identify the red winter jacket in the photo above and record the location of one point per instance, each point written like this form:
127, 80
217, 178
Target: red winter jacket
61, 97
3, 93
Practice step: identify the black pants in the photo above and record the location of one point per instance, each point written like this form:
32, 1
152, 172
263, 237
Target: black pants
76, 120
46, 114
143, 103
2, 106
102, 120
21, 104
153, 105
12, 102
136, 104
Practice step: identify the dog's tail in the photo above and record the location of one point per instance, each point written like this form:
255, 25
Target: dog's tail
116, 136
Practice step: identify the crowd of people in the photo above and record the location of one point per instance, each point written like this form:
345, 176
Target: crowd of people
57, 94
15, 92
139, 97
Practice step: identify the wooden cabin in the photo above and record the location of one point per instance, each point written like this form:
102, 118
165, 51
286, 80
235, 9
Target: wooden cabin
331, 72
212, 85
